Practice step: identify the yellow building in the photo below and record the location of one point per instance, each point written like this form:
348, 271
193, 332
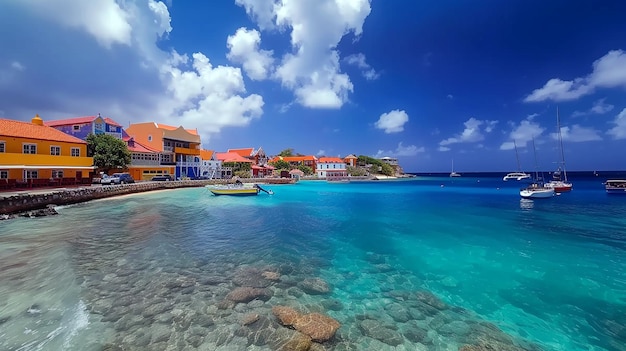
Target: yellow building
32, 154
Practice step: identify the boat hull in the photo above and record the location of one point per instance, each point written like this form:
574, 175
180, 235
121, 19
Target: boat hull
615, 186
536, 194
516, 176
232, 191
559, 187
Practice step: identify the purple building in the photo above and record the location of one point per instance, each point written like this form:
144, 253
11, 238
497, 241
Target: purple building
81, 127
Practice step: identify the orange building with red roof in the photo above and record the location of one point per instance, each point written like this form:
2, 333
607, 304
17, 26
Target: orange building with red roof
258, 156
179, 148
33, 154
307, 160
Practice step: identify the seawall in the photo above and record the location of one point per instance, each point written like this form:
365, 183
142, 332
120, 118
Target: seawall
41, 198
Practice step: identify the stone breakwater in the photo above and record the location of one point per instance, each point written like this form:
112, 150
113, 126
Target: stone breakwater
10, 205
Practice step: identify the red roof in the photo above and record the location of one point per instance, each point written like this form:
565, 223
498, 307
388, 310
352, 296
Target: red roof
230, 157
330, 160
247, 152
79, 120
19, 129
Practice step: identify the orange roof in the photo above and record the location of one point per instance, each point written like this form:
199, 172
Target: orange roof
247, 152
167, 127
206, 154
79, 120
294, 158
139, 147
330, 160
19, 129
230, 157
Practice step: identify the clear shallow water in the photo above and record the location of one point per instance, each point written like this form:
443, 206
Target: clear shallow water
152, 271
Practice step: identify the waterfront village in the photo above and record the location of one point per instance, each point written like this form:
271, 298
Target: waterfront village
55, 153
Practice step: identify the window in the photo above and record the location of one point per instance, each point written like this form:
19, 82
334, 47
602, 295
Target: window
4, 174
31, 174
57, 173
75, 152
55, 150
149, 137
2, 147
30, 148
76, 127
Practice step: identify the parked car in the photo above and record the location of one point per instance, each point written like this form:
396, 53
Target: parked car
109, 180
116, 178
123, 178
162, 178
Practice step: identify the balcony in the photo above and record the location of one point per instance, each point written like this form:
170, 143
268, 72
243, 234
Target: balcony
186, 151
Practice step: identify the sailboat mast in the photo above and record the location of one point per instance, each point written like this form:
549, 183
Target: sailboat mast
519, 167
536, 164
558, 126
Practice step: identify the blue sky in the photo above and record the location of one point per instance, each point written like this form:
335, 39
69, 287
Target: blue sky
425, 81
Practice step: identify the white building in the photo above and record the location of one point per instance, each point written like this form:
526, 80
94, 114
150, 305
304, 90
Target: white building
331, 168
390, 161
210, 167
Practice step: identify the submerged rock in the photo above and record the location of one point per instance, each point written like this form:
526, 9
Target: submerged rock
316, 325
247, 294
314, 286
375, 330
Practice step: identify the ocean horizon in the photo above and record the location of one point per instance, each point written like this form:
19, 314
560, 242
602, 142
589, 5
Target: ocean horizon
424, 263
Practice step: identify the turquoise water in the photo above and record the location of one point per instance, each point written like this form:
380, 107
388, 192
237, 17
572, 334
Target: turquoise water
152, 271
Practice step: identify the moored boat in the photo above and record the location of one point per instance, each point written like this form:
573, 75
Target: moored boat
615, 186
559, 181
237, 189
519, 175
536, 191
516, 176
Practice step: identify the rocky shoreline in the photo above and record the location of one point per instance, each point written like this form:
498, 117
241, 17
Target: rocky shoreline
42, 203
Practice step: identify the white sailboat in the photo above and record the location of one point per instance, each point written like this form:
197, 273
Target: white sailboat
453, 173
519, 175
536, 190
559, 181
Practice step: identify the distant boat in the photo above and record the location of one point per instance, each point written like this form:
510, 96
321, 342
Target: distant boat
559, 181
615, 186
536, 190
519, 175
453, 173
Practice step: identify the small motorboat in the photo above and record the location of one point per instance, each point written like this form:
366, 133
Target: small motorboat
615, 186
237, 189
517, 176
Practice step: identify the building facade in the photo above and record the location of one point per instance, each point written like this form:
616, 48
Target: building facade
331, 168
211, 167
33, 154
179, 147
81, 127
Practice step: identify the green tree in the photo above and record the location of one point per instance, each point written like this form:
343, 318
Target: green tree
286, 152
387, 169
281, 164
238, 166
108, 152
356, 171
306, 169
243, 174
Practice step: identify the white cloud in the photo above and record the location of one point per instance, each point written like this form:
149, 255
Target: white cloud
472, 132
577, 134
262, 11
105, 20
523, 133
619, 131
599, 107
450, 96
401, 151
320, 153
609, 71
393, 121
244, 49
312, 70
359, 60
443, 148
16, 65
134, 80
